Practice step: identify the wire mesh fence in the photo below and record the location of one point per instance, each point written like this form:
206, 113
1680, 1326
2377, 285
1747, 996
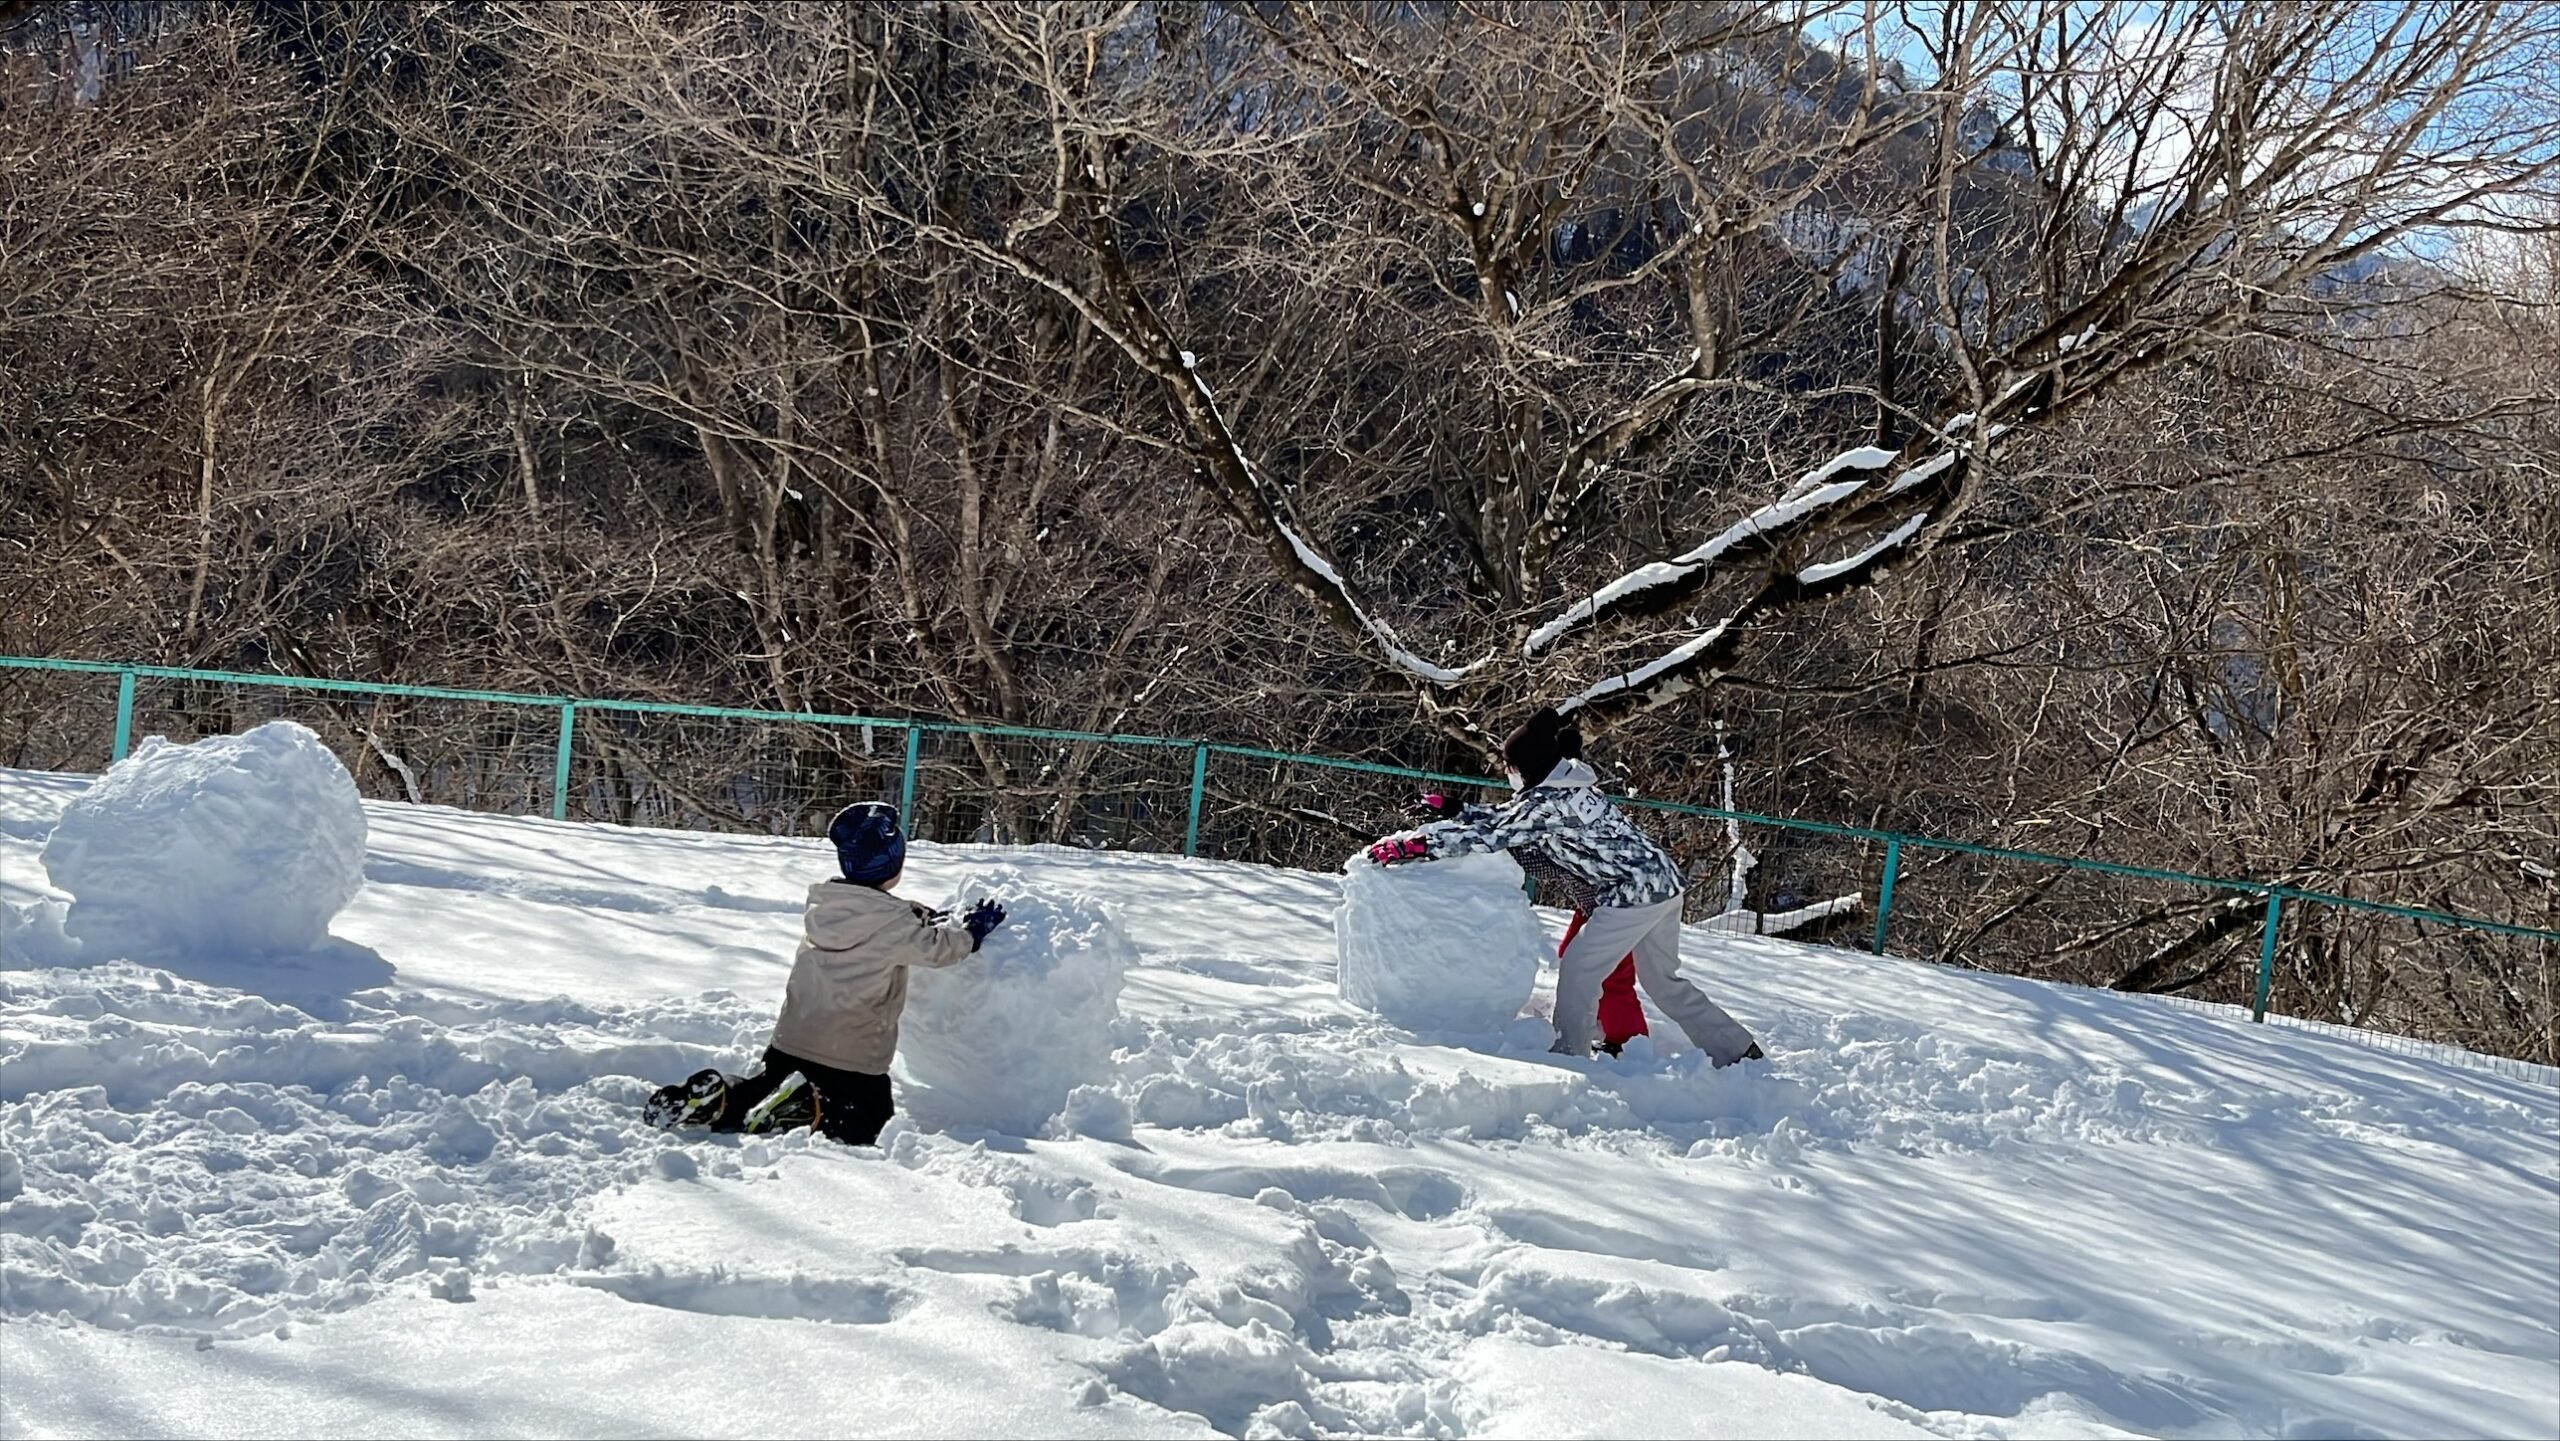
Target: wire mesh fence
2417, 978
725, 773
475, 755
2327, 959
1001, 787
1812, 885
1296, 811
2068, 925
56, 720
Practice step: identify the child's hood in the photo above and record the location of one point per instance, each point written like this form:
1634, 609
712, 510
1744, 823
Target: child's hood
843, 915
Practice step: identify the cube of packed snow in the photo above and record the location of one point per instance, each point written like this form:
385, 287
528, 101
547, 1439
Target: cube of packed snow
1002, 1038
234, 847
1446, 945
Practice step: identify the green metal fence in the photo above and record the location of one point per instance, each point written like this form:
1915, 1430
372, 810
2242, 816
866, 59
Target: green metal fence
644, 762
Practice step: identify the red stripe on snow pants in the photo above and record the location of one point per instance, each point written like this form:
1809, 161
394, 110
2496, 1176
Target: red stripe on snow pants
1621, 1014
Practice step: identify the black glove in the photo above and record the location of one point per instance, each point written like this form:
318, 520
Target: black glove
985, 916
1432, 805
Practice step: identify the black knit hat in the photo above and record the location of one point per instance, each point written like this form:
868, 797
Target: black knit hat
869, 846
1541, 741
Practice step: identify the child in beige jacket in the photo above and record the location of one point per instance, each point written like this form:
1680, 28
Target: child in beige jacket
828, 1064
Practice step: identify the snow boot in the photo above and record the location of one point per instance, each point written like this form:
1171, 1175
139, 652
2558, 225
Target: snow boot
698, 1100
793, 1104
704, 1099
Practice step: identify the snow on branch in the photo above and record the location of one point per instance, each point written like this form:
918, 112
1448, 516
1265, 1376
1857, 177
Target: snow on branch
1865, 457
1833, 569
1645, 675
1737, 917
1814, 492
1379, 630
1924, 471
1745, 861
1818, 490
1132, 324
1273, 504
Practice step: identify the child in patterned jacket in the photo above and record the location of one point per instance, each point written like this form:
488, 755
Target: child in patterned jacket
1632, 885
1621, 1014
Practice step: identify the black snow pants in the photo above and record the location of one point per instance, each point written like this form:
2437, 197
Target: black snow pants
852, 1105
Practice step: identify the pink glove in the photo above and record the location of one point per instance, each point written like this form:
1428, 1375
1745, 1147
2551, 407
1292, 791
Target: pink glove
1396, 849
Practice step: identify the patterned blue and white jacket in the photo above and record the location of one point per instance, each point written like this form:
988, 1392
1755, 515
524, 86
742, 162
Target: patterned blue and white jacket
1576, 830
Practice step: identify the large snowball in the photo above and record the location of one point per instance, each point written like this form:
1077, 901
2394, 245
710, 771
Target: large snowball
1446, 945
235, 847
1001, 1038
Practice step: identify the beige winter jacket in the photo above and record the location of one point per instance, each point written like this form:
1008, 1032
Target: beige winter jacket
849, 981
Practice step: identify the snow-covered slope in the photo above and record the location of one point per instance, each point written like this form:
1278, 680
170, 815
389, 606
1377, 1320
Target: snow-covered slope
404, 1191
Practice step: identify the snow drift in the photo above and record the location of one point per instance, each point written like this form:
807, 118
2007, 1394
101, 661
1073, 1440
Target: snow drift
1000, 1039
1445, 945
232, 848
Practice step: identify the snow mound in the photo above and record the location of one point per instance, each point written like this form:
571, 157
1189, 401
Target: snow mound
31, 935
233, 847
1447, 945
1002, 1038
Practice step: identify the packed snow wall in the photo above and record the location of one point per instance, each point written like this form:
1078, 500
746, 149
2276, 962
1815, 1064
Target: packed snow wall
1001, 1038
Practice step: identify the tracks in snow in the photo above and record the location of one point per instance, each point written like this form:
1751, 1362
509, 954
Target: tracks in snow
185, 1159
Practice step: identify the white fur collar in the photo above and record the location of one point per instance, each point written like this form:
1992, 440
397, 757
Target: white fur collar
1571, 773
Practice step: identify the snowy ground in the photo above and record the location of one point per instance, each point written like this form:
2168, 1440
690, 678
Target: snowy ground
401, 1190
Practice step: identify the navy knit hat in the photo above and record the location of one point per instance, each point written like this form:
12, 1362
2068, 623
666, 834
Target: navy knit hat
869, 845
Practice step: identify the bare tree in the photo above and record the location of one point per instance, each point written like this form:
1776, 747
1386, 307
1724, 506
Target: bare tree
2144, 194
1983, 415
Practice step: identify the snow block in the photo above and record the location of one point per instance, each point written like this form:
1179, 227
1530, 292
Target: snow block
1001, 1039
1447, 945
234, 847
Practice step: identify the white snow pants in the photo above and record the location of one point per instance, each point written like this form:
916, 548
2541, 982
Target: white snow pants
1653, 933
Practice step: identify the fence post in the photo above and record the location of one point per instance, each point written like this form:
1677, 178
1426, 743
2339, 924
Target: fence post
124, 716
1884, 890
1199, 785
907, 781
2267, 955
560, 762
